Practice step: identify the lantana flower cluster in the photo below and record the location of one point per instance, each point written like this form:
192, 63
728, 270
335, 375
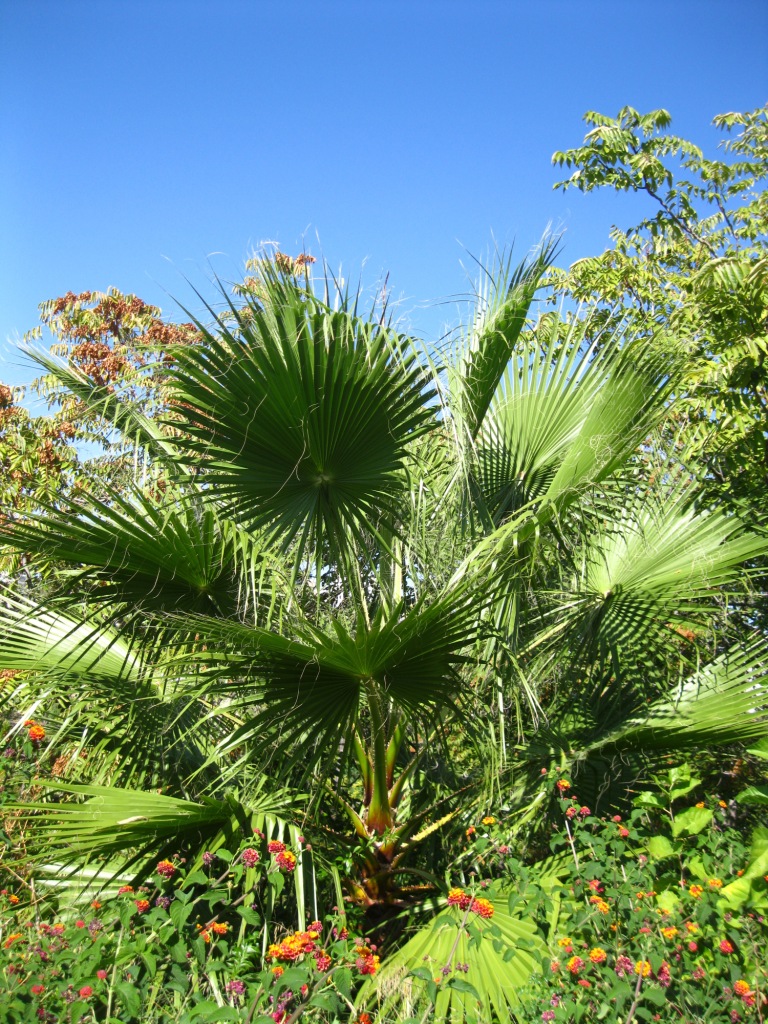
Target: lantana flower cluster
285, 859
299, 944
366, 959
465, 901
35, 731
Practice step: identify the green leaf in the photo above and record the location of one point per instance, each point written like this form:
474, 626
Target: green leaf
648, 799
342, 979
196, 878
166, 556
315, 681
681, 782
499, 320
691, 821
721, 703
654, 996
179, 914
760, 749
756, 795
130, 997
462, 986
659, 847
292, 978
277, 880
668, 901
325, 1000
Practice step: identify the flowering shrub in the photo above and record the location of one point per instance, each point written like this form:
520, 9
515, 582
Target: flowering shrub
657, 914
184, 945
654, 921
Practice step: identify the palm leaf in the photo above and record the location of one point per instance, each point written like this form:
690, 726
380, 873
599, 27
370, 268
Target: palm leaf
648, 573
499, 320
566, 416
43, 640
302, 418
140, 553
123, 414
724, 702
102, 693
134, 827
314, 683
501, 954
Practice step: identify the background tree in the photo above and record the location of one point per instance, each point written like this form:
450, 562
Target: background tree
696, 264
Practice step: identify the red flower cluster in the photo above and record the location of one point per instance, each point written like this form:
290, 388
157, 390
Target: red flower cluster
36, 731
600, 904
166, 868
367, 961
250, 857
744, 992
478, 905
286, 860
322, 961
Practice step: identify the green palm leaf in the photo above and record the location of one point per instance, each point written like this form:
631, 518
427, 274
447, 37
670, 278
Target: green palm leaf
104, 694
303, 418
724, 702
501, 954
123, 414
142, 554
652, 570
131, 826
315, 682
566, 416
499, 320
45, 641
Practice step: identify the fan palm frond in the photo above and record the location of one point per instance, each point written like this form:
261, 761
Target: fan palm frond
302, 420
497, 957
143, 554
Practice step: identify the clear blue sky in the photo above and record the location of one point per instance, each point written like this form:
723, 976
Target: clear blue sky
139, 138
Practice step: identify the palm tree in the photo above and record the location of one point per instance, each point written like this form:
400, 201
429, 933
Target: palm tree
350, 554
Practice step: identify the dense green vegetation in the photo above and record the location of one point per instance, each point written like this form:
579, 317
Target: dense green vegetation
309, 651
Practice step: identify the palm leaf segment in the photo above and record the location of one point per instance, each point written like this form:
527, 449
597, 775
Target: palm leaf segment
34, 639
102, 691
303, 418
566, 416
502, 309
605, 738
724, 702
134, 827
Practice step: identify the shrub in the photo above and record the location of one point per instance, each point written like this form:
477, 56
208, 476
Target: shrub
185, 945
656, 916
